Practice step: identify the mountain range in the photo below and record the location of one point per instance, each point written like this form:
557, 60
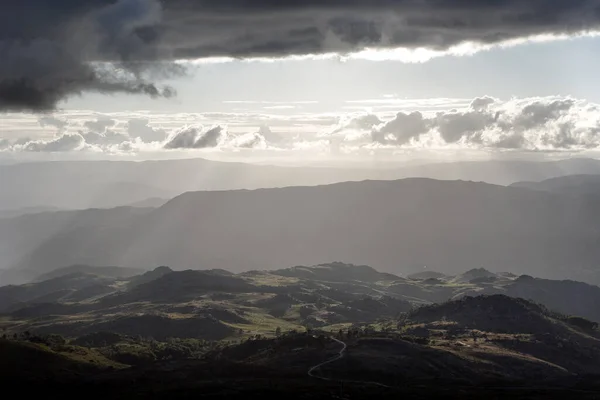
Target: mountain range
105, 184
396, 226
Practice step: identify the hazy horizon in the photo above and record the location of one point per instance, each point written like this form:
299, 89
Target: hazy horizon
301, 96
300, 199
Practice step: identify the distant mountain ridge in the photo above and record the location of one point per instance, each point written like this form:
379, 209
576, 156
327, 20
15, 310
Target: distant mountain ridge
106, 184
337, 271
574, 185
108, 272
392, 225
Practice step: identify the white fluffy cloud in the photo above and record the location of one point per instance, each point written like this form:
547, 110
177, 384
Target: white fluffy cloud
484, 123
66, 142
548, 123
99, 132
249, 141
199, 137
101, 124
195, 137
140, 128
51, 121
401, 129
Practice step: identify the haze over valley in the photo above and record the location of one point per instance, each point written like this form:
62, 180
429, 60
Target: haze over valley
300, 199
399, 226
108, 184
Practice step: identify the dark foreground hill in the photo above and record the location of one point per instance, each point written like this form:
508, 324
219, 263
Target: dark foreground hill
23, 359
396, 226
490, 346
214, 334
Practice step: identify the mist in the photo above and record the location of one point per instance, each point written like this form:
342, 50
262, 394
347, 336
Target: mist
300, 199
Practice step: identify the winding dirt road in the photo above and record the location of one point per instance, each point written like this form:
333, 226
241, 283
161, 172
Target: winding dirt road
340, 355
311, 372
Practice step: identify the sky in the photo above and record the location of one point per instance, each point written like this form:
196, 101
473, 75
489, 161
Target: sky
305, 81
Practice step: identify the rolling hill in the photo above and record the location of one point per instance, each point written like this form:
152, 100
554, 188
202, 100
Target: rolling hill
215, 305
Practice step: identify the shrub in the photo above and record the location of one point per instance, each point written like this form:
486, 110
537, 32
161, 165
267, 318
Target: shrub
582, 323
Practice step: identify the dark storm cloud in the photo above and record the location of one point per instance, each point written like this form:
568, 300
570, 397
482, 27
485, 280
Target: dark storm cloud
48, 48
276, 28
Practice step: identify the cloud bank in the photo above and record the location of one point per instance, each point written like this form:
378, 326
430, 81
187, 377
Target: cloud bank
63, 143
55, 49
550, 123
140, 128
484, 123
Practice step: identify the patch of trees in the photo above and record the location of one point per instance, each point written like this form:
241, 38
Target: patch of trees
48, 340
582, 323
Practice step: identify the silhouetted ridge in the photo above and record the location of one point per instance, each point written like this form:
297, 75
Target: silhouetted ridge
150, 276
573, 185
426, 275
112, 272
496, 313
181, 285
474, 274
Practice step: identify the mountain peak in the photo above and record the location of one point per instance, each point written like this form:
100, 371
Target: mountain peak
338, 271
472, 274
